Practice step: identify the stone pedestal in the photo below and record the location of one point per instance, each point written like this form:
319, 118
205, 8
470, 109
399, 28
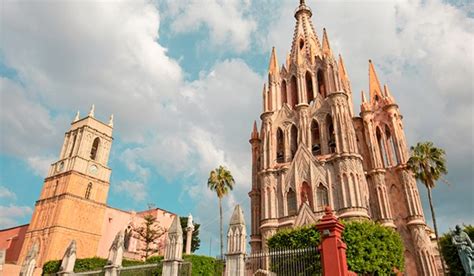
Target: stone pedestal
111, 270
236, 244
174, 249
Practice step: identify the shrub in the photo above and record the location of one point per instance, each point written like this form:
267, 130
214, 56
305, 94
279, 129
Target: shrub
51, 267
204, 265
371, 248
450, 253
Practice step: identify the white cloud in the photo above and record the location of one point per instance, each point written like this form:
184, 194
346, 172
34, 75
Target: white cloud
5, 193
133, 189
10, 214
229, 24
40, 164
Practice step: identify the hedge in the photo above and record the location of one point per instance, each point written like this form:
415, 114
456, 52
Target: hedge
371, 248
201, 265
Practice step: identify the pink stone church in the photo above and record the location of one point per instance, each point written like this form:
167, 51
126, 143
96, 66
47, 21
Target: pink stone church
313, 151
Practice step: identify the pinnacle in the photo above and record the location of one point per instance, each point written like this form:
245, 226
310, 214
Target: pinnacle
326, 47
374, 85
273, 66
175, 227
237, 216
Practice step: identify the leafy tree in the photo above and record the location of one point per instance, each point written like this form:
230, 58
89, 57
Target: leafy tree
428, 164
450, 253
149, 233
371, 248
196, 241
221, 181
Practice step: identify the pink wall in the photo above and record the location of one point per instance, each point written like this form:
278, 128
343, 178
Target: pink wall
116, 220
12, 239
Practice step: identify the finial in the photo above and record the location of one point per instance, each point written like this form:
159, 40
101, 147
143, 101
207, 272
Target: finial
111, 120
254, 134
326, 47
91, 112
375, 91
78, 114
363, 96
190, 224
273, 66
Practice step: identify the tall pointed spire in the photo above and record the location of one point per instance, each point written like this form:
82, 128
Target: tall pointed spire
273, 66
363, 97
343, 74
78, 114
91, 112
374, 84
326, 47
254, 134
305, 39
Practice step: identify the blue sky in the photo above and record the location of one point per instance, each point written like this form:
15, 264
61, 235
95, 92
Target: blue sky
184, 79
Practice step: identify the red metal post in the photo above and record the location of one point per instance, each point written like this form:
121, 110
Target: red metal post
333, 249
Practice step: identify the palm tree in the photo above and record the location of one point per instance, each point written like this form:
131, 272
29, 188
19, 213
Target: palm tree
221, 181
428, 164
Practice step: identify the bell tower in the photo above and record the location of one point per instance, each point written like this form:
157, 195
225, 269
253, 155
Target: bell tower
72, 202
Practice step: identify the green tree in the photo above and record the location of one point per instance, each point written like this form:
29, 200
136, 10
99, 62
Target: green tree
221, 181
372, 249
196, 241
428, 164
149, 233
450, 253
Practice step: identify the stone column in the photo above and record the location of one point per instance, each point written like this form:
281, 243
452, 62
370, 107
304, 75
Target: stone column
333, 249
174, 249
236, 244
189, 234
114, 261
69, 260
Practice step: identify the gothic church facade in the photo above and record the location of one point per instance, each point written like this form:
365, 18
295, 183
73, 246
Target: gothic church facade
312, 151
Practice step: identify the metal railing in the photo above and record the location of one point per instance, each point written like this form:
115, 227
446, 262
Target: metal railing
285, 262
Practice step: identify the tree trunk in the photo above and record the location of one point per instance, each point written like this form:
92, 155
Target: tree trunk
220, 214
435, 226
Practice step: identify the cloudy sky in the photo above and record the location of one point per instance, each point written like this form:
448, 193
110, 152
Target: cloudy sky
184, 78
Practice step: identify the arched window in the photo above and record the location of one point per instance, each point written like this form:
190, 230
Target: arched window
95, 147
294, 91
280, 146
284, 98
73, 144
291, 202
330, 134
306, 194
293, 140
315, 138
309, 87
321, 83
394, 154
88, 191
322, 197
383, 154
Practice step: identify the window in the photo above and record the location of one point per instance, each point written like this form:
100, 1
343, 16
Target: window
322, 197
294, 91
73, 144
383, 153
291, 202
394, 154
301, 44
321, 83
315, 138
280, 147
88, 191
309, 87
95, 147
331, 134
284, 98
293, 140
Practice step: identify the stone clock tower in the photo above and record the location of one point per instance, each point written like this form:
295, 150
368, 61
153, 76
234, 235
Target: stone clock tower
73, 199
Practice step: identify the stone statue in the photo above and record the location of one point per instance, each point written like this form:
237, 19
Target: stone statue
116, 250
190, 221
29, 263
128, 236
69, 259
465, 250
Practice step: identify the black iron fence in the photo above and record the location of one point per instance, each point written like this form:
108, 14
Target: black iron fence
285, 262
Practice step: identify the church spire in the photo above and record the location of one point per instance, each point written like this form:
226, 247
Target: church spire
374, 84
326, 47
305, 41
273, 66
254, 134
